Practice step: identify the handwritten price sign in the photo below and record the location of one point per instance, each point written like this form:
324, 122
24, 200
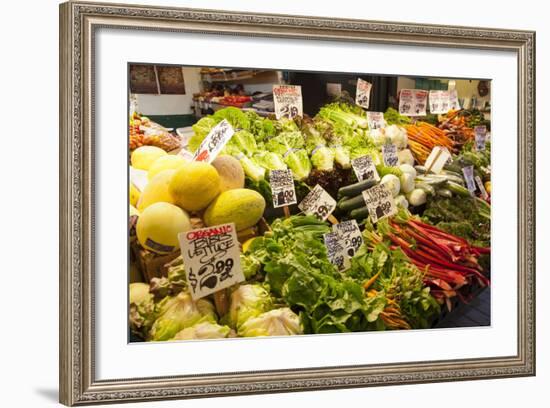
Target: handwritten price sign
412, 102
214, 142
380, 203
376, 120
336, 251
439, 102
318, 203
288, 101
364, 168
212, 259
349, 235
282, 188
362, 93
389, 155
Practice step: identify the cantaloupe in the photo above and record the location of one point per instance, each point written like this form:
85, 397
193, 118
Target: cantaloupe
230, 171
158, 227
195, 185
168, 162
157, 190
242, 206
143, 157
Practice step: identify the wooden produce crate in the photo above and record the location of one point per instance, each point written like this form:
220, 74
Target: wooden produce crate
151, 265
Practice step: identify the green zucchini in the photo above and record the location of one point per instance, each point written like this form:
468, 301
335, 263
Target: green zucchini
354, 189
348, 204
359, 213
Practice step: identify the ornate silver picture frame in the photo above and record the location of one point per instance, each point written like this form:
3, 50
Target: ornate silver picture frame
78, 24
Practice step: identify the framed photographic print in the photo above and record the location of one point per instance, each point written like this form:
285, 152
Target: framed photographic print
251, 221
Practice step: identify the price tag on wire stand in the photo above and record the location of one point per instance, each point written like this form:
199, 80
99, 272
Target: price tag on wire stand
214, 142
336, 251
350, 236
481, 187
318, 202
480, 137
362, 93
389, 155
376, 120
468, 173
380, 202
412, 102
364, 168
282, 188
288, 101
212, 259
437, 159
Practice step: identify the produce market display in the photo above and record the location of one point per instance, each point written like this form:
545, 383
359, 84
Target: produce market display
375, 228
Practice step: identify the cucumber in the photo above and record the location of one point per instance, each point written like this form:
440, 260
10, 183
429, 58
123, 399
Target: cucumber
445, 192
458, 189
428, 188
453, 167
359, 213
348, 204
420, 169
354, 189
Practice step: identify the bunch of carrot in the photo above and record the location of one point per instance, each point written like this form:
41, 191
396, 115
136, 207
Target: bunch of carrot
423, 137
455, 127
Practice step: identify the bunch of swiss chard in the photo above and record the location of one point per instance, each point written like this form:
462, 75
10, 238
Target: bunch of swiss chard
451, 264
389, 273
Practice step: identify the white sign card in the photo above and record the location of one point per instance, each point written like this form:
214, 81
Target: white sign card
380, 202
318, 202
212, 259
469, 178
454, 104
412, 102
288, 101
389, 155
214, 142
350, 236
481, 187
362, 93
437, 159
364, 168
480, 137
282, 188
336, 251
439, 102
375, 120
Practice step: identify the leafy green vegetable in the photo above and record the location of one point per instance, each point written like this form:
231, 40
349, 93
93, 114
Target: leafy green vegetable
466, 217
248, 301
270, 160
290, 145
392, 117
201, 130
142, 309
298, 271
178, 312
204, 330
278, 322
